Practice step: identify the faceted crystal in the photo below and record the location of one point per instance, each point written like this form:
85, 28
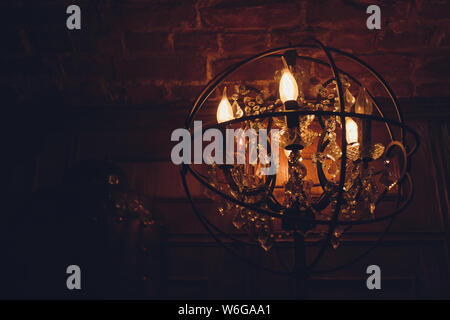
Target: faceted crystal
237, 111
363, 102
353, 152
377, 151
333, 150
349, 100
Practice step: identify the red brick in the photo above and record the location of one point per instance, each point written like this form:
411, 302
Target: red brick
147, 42
336, 14
433, 68
342, 63
173, 67
187, 93
244, 43
433, 9
395, 12
386, 65
414, 38
259, 70
163, 16
390, 64
432, 89
285, 37
196, 41
242, 15
402, 88
353, 42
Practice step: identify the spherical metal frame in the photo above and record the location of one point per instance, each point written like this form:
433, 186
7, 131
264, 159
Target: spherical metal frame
334, 222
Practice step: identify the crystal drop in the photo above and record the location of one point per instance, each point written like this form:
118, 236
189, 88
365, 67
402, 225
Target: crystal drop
338, 231
330, 124
372, 208
334, 242
377, 151
386, 179
349, 100
322, 92
239, 220
263, 237
363, 102
259, 99
333, 150
237, 111
267, 245
352, 153
333, 169
307, 137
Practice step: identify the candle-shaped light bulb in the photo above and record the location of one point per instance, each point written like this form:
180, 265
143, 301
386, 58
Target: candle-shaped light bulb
288, 87
224, 110
351, 130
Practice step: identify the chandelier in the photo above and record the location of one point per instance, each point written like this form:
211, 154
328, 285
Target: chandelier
341, 173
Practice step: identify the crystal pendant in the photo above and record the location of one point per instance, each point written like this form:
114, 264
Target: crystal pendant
387, 178
318, 157
237, 111
349, 100
334, 242
240, 219
338, 231
289, 136
353, 152
373, 152
333, 150
263, 237
363, 102
307, 136
377, 151
333, 169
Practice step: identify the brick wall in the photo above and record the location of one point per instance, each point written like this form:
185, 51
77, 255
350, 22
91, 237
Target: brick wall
144, 52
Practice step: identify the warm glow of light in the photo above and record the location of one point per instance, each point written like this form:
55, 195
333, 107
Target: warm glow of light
287, 153
351, 130
224, 110
288, 87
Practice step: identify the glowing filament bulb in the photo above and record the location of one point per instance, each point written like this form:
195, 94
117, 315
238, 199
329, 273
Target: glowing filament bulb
351, 130
224, 110
288, 87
